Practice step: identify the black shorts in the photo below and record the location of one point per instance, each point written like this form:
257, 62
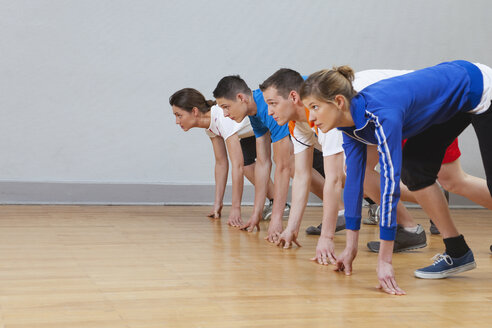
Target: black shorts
482, 124
318, 162
423, 153
248, 146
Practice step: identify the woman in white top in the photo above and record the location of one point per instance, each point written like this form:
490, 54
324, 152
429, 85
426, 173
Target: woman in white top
192, 110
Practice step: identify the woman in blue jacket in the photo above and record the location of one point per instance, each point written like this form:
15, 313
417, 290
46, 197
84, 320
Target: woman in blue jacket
430, 107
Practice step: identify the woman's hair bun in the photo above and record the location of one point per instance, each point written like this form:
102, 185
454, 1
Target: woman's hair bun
346, 71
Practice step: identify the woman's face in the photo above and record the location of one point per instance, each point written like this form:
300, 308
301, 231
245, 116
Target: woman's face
325, 115
186, 120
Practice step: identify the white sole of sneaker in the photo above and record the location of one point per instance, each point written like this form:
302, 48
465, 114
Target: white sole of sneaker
410, 248
369, 222
269, 215
374, 250
447, 273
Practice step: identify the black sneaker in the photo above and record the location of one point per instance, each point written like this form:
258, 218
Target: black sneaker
433, 229
404, 240
340, 223
312, 230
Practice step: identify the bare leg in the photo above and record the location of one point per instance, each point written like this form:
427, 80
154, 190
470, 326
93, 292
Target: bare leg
249, 173
453, 179
406, 195
434, 204
372, 189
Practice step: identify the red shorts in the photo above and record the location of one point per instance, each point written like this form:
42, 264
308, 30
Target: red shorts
452, 152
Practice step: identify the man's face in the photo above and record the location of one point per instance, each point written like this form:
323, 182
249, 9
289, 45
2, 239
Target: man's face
234, 109
281, 109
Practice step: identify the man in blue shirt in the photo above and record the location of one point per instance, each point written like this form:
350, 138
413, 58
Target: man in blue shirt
238, 101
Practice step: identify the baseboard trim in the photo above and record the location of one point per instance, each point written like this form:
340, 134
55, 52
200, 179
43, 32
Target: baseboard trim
13, 192
17, 192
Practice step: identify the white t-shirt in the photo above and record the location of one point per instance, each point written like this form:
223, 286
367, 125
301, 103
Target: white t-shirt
303, 136
225, 127
487, 90
365, 78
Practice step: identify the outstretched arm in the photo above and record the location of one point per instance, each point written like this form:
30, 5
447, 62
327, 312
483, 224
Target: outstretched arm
300, 193
237, 163
389, 134
262, 176
282, 155
332, 193
221, 171
356, 163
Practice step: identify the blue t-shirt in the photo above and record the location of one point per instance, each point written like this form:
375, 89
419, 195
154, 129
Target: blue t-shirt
262, 122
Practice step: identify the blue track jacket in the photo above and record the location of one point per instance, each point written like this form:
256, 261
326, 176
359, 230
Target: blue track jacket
388, 111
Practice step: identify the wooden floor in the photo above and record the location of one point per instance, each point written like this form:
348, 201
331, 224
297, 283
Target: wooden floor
156, 266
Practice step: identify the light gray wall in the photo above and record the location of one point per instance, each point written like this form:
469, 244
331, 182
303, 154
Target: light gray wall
85, 84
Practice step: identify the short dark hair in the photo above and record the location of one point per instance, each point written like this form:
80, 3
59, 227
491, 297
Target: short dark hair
284, 80
229, 86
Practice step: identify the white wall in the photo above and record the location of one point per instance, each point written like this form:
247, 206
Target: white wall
85, 84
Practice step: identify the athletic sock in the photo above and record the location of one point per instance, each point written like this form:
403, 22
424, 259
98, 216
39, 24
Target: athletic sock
456, 246
412, 229
370, 201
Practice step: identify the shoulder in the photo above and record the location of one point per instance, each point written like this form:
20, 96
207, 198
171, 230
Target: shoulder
261, 105
365, 78
210, 133
216, 111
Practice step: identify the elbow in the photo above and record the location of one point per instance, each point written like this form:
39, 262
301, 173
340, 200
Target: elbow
302, 176
264, 162
222, 163
283, 166
238, 169
334, 182
284, 170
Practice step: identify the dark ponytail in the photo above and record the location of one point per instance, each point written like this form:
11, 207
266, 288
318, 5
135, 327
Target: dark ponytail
188, 98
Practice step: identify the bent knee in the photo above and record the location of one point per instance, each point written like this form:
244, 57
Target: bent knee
452, 183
